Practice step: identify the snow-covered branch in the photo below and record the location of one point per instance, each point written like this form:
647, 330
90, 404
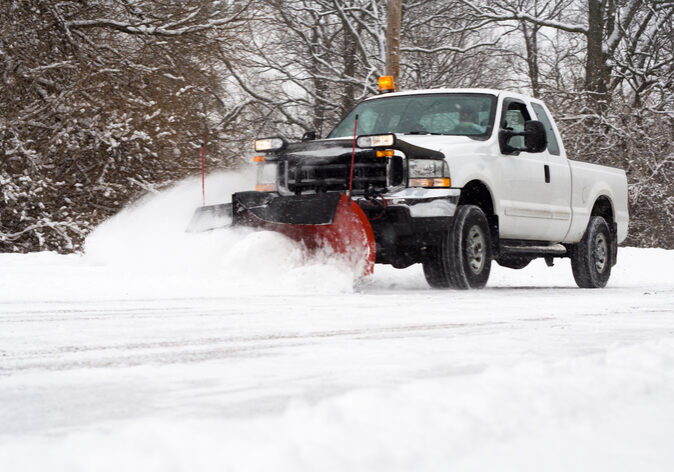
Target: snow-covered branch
449, 48
504, 11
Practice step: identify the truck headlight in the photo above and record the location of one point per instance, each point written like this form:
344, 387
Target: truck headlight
266, 177
428, 173
269, 144
376, 141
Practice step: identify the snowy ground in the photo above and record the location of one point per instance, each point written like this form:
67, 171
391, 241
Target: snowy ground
164, 351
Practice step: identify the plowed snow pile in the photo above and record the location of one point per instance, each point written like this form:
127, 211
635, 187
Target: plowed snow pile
150, 237
144, 251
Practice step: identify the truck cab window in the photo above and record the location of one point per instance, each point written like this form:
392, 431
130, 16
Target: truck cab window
543, 117
514, 117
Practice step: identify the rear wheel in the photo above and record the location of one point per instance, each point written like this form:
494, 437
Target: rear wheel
463, 258
591, 257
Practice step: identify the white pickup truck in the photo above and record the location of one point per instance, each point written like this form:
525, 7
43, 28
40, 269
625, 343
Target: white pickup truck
452, 179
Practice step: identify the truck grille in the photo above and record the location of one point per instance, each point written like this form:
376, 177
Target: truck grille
298, 177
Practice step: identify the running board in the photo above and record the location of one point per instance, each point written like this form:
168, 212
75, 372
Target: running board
556, 249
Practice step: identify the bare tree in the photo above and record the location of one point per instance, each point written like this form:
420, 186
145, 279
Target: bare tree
609, 29
101, 101
318, 58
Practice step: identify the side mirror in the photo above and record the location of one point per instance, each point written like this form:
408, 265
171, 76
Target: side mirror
535, 139
309, 136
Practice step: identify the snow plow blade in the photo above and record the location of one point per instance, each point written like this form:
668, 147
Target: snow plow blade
210, 217
325, 220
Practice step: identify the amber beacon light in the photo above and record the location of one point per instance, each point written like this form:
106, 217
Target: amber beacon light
386, 84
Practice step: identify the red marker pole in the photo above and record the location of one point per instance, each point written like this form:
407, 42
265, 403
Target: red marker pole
203, 179
353, 156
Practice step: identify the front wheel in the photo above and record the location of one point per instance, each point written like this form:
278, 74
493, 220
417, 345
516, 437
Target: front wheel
463, 258
591, 257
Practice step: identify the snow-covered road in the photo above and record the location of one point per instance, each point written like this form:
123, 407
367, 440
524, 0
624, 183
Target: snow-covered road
160, 351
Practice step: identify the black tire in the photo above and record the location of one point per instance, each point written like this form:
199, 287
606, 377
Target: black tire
591, 257
463, 258
513, 262
434, 270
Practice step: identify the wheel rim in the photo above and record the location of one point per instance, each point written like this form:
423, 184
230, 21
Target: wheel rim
600, 252
476, 249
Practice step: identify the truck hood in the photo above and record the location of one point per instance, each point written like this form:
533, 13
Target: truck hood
442, 143
326, 151
414, 145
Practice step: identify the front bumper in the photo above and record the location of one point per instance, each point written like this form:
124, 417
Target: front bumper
408, 222
425, 202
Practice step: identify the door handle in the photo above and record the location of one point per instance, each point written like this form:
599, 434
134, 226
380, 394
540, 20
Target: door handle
546, 170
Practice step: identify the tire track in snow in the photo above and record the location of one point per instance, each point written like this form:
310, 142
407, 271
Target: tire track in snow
192, 350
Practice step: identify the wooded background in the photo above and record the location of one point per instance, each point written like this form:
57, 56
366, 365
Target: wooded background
102, 101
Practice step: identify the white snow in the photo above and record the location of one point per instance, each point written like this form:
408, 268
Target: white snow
159, 350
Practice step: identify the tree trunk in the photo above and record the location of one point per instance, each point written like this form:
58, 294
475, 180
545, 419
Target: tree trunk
350, 52
597, 72
394, 17
320, 88
530, 32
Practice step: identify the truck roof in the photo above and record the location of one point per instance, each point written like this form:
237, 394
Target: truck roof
449, 90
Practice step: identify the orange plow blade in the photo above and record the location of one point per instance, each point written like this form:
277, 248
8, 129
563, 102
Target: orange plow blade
331, 221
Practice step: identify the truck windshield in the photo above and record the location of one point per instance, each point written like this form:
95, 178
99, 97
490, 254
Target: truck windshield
451, 114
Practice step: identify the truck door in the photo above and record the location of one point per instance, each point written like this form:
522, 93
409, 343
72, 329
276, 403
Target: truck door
525, 194
558, 178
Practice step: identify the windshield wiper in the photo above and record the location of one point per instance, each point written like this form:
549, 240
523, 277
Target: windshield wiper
421, 132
